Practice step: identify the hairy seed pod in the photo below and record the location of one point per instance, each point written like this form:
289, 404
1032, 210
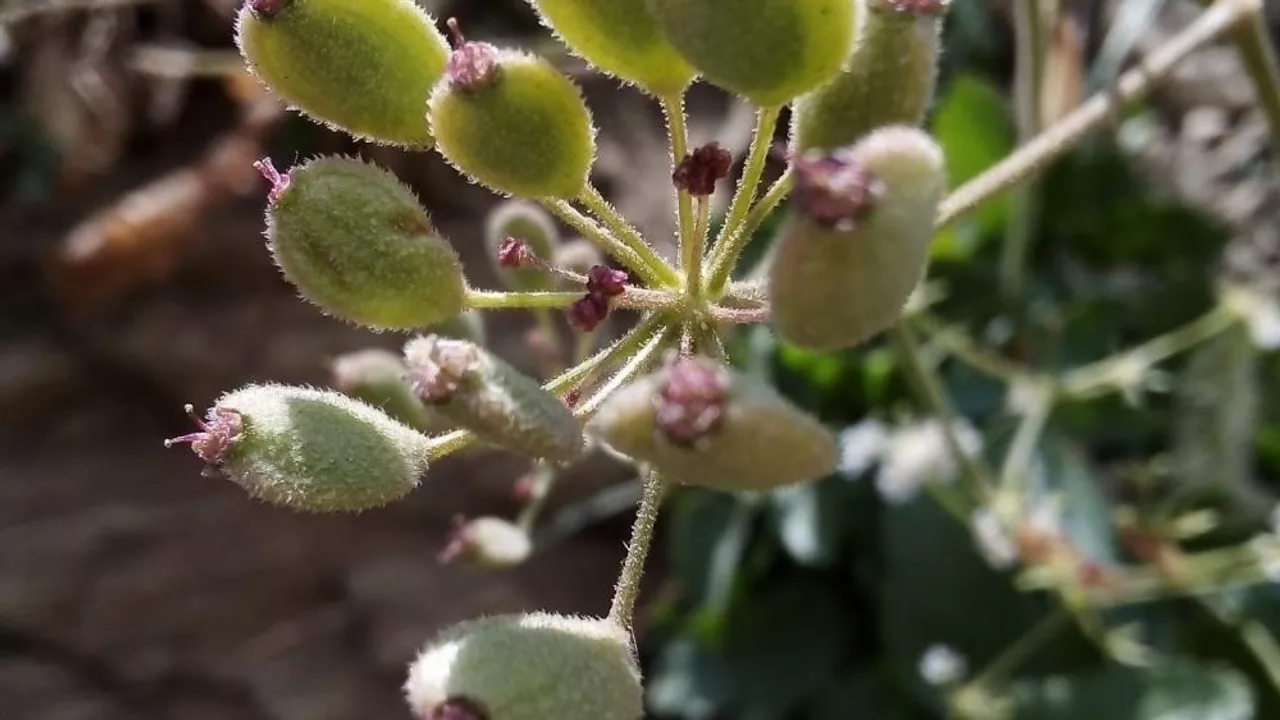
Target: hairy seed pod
479, 391
769, 51
888, 80
513, 123
536, 666
856, 242
377, 377
532, 225
364, 67
619, 37
309, 450
357, 243
705, 424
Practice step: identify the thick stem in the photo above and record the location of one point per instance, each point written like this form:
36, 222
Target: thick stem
623, 230
625, 593
588, 228
1095, 112
730, 242
690, 243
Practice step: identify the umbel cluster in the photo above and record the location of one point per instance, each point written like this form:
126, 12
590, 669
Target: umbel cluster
858, 199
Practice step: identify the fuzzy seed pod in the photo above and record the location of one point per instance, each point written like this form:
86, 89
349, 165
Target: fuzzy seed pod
513, 123
856, 243
479, 391
769, 51
619, 37
355, 242
888, 80
364, 67
309, 450
705, 424
489, 542
536, 666
532, 225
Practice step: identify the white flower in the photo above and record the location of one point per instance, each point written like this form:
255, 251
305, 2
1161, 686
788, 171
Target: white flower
941, 665
996, 546
1264, 324
1266, 548
918, 453
861, 446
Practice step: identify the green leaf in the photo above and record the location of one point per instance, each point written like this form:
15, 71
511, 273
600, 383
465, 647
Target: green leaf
972, 125
1176, 691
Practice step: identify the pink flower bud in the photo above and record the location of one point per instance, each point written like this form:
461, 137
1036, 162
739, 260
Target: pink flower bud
701, 169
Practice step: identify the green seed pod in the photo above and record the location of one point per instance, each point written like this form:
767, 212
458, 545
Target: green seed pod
364, 67
355, 242
536, 666
530, 223
309, 450
769, 51
489, 542
513, 123
889, 79
857, 241
479, 391
702, 423
619, 37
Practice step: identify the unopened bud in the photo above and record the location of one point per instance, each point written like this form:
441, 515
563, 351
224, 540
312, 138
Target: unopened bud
606, 281
587, 313
701, 169
356, 242
479, 391
488, 542
524, 131
522, 238
619, 37
528, 667
703, 423
856, 244
364, 67
768, 51
309, 450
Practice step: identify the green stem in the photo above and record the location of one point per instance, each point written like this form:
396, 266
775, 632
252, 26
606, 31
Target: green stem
928, 388
627, 591
1106, 375
964, 348
1094, 113
696, 246
1251, 39
730, 242
638, 363
774, 196
1017, 463
624, 253
501, 300
546, 477
450, 443
690, 242
623, 230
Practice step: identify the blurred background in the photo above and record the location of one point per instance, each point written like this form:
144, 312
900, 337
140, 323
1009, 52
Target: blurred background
133, 279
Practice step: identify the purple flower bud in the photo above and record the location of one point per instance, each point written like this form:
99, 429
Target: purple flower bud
472, 65
267, 8
218, 432
834, 189
458, 708
279, 181
701, 169
587, 313
513, 253
605, 281
437, 366
691, 400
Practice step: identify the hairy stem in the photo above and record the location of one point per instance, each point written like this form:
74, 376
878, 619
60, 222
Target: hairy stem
731, 240
636, 364
1064, 134
630, 258
776, 193
697, 244
690, 243
622, 229
625, 593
